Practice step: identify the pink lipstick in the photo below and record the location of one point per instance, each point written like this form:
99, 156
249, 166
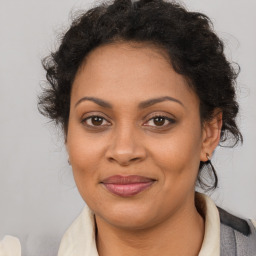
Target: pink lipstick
126, 186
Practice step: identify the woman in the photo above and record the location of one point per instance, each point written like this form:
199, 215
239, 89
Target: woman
144, 95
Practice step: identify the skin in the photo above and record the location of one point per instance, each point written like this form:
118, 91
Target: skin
130, 141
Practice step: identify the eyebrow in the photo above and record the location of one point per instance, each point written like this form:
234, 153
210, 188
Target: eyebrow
150, 102
143, 104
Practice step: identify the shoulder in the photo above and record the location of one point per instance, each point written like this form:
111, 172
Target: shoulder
241, 225
237, 235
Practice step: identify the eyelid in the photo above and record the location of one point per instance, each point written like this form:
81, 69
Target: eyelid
159, 113
91, 114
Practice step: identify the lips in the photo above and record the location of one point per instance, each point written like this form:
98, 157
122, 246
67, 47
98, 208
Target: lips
126, 186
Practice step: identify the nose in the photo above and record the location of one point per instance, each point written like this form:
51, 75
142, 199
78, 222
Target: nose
126, 147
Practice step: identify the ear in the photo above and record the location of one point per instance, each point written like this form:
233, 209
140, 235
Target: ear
211, 135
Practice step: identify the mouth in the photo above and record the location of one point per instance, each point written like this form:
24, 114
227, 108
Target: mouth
126, 186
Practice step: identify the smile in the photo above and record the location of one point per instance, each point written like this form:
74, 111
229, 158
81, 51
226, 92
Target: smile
126, 186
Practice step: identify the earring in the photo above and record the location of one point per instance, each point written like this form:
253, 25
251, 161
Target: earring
213, 170
69, 162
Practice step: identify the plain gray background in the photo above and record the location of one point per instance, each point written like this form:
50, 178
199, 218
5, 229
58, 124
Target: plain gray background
38, 196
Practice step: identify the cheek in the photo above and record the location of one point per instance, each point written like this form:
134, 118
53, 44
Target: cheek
84, 153
82, 148
178, 155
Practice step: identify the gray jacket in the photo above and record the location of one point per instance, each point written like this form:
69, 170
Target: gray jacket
237, 236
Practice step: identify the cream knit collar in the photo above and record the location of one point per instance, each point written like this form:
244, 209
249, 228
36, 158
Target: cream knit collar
79, 239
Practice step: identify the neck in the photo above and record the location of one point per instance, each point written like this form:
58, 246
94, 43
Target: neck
181, 234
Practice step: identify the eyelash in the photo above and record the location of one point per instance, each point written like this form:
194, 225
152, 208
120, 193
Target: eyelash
171, 121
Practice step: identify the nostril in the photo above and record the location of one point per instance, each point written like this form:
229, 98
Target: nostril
125, 154
124, 162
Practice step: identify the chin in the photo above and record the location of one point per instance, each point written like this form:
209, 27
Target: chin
128, 216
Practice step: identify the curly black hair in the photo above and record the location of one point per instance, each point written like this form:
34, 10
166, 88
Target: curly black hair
188, 38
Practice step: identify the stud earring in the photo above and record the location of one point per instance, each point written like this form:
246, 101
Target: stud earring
69, 162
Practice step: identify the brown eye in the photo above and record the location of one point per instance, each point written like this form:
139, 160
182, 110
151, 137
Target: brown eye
159, 121
94, 121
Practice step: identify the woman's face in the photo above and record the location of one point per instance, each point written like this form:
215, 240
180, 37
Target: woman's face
134, 136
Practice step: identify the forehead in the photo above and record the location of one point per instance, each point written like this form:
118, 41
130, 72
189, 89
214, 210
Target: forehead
126, 73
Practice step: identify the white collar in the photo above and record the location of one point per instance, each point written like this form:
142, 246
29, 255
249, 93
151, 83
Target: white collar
79, 239
211, 242
10, 246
